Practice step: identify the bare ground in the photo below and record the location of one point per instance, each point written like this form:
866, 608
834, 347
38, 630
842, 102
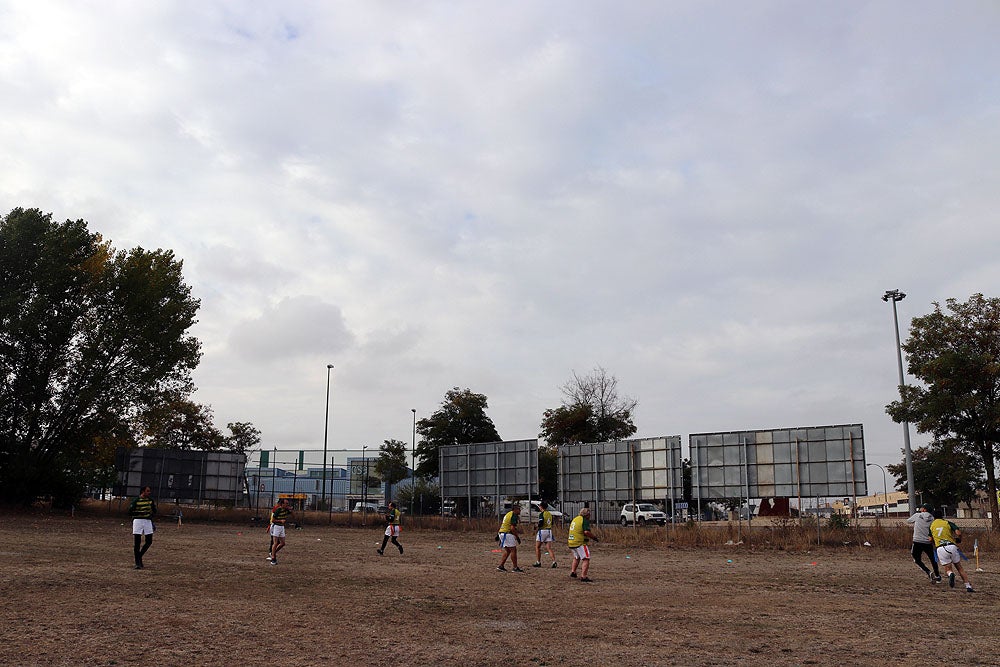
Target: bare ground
209, 597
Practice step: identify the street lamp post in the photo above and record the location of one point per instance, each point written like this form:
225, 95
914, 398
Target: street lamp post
326, 432
413, 460
894, 296
364, 485
885, 490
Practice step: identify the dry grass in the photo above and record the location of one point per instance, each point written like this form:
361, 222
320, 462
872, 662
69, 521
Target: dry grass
778, 533
661, 596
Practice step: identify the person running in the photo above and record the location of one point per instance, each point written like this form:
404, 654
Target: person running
279, 516
923, 543
509, 537
142, 510
544, 535
946, 538
579, 537
391, 530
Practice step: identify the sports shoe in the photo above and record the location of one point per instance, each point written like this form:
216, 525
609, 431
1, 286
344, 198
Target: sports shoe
138, 567
937, 578
951, 580
553, 565
379, 552
537, 565
970, 589
501, 568
930, 575
517, 569
573, 574
274, 561
400, 550
586, 579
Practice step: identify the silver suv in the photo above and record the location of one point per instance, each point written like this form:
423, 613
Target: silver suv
646, 513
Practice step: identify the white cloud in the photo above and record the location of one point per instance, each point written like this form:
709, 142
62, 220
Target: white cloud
708, 200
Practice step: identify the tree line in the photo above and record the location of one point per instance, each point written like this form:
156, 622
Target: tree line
96, 353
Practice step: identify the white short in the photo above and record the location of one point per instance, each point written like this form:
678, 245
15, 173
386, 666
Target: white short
277, 531
142, 526
544, 535
392, 531
580, 553
948, 554
508, 540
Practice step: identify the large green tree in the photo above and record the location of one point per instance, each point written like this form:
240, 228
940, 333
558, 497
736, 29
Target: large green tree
391, 463
90, 339
943, 472
955, 355
461, 420
592, 411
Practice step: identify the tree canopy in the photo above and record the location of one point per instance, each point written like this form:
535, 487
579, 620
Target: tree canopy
391, 463
955, 355
95, 349
460, 420
943, 472
592, 411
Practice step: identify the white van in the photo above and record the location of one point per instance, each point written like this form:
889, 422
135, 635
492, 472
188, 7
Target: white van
531, 510
366, 507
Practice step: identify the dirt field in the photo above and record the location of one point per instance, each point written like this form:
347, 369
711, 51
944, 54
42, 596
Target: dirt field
209, 597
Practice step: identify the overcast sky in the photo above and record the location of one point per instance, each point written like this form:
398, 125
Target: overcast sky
708, 200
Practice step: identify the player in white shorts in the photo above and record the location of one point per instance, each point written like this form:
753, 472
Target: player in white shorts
544, 535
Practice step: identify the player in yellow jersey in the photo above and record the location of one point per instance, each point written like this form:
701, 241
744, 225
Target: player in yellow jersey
579, 536
544, 535
946, 538
509, 536
391, 529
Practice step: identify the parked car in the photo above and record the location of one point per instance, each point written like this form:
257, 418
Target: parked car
368, 507
646, 513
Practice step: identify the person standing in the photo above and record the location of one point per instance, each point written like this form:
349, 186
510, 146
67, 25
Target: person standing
509, 537
946, 538
544, 535
392, 529
923, 543
279, 517
579, 538
142, 510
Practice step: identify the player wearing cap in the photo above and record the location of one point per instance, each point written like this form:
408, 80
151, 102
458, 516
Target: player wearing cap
579, 537
509, 537
391, 530
923, 543
946, 538
544, 535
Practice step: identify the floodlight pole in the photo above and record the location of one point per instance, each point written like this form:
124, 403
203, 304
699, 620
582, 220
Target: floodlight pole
894, 296
413, 460
326, 432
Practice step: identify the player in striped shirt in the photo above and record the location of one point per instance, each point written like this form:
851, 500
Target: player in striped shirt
142, 509
279, 516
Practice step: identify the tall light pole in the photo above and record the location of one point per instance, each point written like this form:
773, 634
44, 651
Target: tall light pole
326, 433
364, 485
894, 296
413, 460
885, 490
